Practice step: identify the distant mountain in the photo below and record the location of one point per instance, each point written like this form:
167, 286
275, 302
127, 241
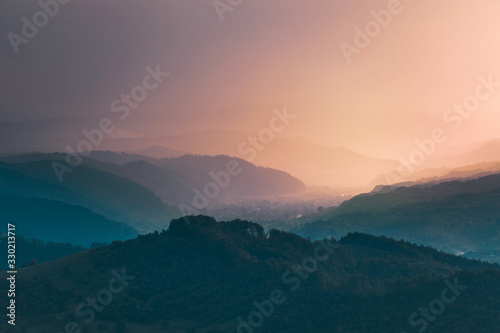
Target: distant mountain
119, 158
456, 216
251, 181
315, 164
142, 191
424, 192
437, 175
472, 160
92, 185
55, 221
209, 142
488, 151
173, 179
205, 276
177, 180
168, 185
157, 151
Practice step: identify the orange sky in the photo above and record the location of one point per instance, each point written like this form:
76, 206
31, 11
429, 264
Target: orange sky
395, 91
265, 53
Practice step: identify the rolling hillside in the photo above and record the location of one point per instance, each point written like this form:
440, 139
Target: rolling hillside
456, 216
102, 192
205, 276
56, 221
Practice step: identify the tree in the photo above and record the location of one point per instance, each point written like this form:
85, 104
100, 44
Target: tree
120, 327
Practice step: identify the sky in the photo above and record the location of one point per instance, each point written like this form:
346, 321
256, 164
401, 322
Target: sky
229, 74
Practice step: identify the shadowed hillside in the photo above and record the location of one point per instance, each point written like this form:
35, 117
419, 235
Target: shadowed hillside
457, 216
201, 275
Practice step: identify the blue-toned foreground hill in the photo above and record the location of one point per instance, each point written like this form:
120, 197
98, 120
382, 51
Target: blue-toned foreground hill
202, 275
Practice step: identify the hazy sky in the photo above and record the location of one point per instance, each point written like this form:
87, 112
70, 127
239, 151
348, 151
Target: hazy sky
229, 74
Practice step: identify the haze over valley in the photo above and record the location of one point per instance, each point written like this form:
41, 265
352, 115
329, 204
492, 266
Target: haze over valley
250, 166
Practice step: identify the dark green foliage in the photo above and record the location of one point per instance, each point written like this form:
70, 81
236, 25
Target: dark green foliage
120, 327
208, 273
36, 251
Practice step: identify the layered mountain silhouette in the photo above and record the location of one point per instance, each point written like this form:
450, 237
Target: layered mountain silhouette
488, 151
88, 186
315, 164
437, 175
56, 221
456, 216
207, 276
173, 179
472, 160
113, 196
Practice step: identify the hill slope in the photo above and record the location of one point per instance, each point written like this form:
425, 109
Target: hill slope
57, 221
456, 216
173, 179
90, 185
201, 276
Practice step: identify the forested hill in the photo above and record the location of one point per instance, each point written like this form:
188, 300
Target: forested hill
456, 216
201, 275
